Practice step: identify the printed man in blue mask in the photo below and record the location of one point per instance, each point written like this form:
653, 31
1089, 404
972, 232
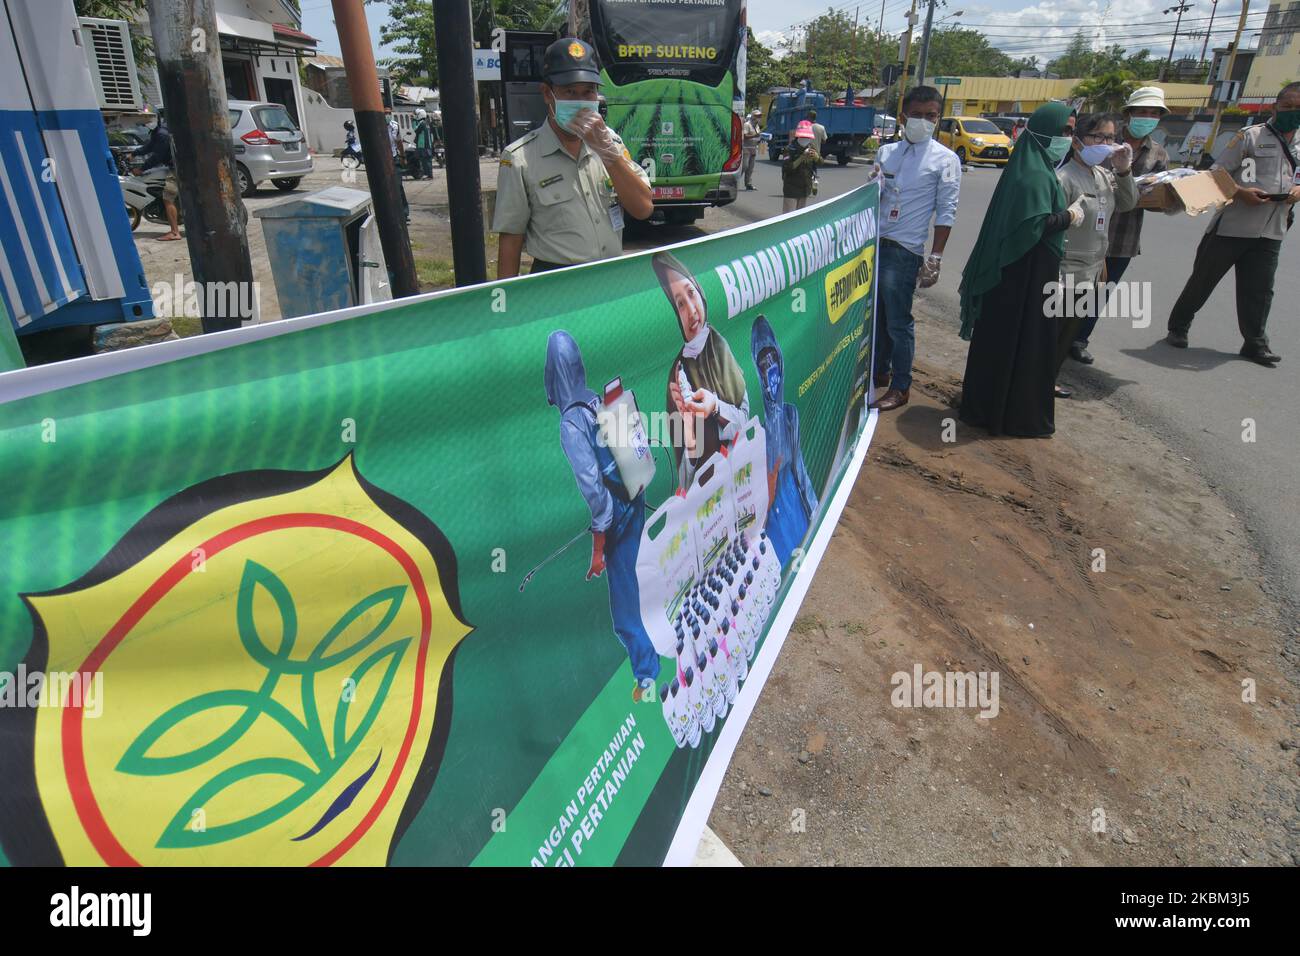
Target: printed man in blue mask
616, 520
791, 497
563, 188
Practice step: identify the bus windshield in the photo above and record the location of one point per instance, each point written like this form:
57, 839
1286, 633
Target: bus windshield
692, 40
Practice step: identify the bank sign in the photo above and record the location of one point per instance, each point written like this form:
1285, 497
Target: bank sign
487, 65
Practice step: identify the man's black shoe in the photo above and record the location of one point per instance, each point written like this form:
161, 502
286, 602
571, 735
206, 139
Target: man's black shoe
1177, 339
1080, 354
1262, 356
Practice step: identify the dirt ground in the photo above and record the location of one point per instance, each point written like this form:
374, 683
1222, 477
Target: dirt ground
1121, 691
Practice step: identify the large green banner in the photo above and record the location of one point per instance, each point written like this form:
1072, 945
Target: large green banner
492, 576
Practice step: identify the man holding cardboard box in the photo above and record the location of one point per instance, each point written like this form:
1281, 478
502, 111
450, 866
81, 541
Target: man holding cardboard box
1264, 162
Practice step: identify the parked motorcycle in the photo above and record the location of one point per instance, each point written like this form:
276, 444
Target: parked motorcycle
142, 193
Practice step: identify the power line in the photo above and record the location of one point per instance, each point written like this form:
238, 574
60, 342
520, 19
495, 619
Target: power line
1107, 24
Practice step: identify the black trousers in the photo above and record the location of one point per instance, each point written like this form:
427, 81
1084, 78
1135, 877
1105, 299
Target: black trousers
1255, 261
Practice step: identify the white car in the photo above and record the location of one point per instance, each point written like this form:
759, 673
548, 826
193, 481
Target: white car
268, 145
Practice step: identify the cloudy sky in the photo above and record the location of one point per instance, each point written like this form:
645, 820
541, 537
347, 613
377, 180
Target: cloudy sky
1042, 29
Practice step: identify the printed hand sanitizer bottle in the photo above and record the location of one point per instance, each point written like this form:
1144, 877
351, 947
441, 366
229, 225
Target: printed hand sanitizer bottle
710, 702
693, 709
692, 698
722, 673
675, 711
734, 645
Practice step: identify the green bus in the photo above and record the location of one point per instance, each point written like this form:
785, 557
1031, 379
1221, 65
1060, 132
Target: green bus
673, 75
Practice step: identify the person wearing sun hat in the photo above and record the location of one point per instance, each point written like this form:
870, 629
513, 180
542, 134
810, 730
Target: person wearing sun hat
1142, 114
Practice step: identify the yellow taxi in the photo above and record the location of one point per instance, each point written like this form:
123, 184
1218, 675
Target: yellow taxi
974, 140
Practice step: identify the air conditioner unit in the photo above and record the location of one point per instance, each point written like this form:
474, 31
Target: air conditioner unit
107, 45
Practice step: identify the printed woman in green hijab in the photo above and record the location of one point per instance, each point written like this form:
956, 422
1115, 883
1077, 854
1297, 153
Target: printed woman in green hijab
706, 388
1011, 367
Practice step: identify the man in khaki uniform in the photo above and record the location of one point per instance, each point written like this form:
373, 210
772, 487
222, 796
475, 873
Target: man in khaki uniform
562, 188
1247, 233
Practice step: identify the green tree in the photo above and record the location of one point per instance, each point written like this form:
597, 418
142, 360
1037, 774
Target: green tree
762, 70
1077, 60
130, 11
1143, 65
836, 55
1107, 92
408, 32
958, 52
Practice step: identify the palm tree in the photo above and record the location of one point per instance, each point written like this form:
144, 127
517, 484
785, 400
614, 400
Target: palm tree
1106, 92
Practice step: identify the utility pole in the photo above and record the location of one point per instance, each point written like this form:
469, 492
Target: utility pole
451, 24
579, 16
372, 130
851, 93
1232, 59
907, 59
925, 44
879, 65
1208, 30
188, 52
1182, 8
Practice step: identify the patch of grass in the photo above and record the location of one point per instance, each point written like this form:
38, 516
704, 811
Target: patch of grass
807, 625
434, 272
187, 325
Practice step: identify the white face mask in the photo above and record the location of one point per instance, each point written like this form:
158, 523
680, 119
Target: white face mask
695, 346
1097, 153
918, 130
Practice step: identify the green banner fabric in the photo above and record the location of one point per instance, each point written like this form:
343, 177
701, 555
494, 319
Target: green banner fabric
11, 356
492, 576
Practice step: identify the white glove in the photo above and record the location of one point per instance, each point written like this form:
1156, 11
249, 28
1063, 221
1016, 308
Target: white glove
590, 127
1121, 160
928, 274
1076, 212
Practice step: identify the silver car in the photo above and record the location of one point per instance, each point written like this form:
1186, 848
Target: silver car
268, 145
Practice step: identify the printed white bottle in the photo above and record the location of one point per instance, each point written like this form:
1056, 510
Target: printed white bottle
676, 712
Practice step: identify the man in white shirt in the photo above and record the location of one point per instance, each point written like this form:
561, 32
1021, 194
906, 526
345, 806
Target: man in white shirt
398, 149
750, 137
919, 182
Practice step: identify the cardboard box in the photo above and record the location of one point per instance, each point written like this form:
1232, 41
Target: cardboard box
1191, 194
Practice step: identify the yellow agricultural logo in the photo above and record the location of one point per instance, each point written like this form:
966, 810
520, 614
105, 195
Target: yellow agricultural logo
272, 646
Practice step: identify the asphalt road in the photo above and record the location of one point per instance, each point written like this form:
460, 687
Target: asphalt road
1197, 400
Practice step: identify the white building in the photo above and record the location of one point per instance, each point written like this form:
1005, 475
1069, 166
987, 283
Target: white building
261, 46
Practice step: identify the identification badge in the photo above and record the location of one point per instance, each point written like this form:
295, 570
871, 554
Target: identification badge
616, 217
893, 214
1101, 222
1296, 178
